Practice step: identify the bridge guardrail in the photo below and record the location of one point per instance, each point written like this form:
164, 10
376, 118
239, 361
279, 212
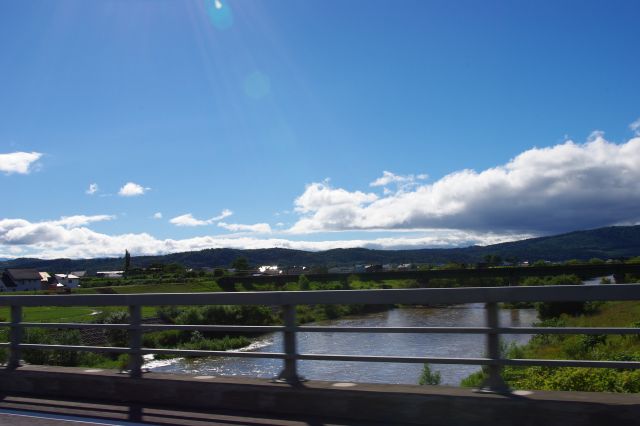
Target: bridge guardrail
288, 301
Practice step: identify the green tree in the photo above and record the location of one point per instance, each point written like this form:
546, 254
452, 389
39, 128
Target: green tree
303, 282
240, 264
493, 260
429, 377
127, 261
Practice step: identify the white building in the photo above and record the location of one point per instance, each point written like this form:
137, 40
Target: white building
270, 270
68, 280
21, 280
110, 274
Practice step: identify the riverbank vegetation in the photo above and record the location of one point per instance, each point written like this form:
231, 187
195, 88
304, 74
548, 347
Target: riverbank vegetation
178, 315
578, 347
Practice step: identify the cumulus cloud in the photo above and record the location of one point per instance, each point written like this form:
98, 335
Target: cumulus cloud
93, 188
188, 219
131, 189
317, 195
543, 190
67, 238
157, 215
40, 234
18, 162
261, 228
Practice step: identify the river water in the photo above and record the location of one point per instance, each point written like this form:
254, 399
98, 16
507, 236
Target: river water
398, 344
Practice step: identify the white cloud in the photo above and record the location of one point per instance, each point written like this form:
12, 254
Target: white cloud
262, 228
93, 188
67, 238
188, 219
388, 178
224, 214
317, 195
543, 190
18, 162
635, 127
157, 215
20, 232
131, 189
81, 220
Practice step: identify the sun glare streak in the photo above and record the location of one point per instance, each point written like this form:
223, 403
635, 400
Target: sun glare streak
221, 17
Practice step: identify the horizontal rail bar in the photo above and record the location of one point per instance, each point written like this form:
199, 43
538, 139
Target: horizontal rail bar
116, 349
397, 359
472, 330
439, 330
316, 329
571, 363
238, 328
568, 330
237, 354
72, 325
421, 296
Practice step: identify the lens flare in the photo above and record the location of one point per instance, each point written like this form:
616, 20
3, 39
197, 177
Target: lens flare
257, 85
221, 15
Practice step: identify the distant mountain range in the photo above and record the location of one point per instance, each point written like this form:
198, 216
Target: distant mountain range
604, 243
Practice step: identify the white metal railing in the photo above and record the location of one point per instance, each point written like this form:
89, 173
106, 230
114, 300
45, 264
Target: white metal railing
288, 301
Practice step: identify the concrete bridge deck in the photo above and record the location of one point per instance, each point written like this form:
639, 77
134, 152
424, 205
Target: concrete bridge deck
237, 401
19, 410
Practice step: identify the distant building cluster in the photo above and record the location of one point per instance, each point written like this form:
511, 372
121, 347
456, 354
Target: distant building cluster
356, 269
33, 280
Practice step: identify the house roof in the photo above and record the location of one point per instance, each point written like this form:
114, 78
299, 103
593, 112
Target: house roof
7, 281
69, 276
24, 274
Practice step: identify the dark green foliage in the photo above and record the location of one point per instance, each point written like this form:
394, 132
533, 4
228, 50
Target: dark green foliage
303, 282
492, 259
240, 264
127, 261
219, 314
429, 377
116, 337
554, 309
66, 358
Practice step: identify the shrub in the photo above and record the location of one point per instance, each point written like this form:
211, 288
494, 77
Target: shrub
303, 282
429, 377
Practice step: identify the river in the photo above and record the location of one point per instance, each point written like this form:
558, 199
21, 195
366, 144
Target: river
399, 344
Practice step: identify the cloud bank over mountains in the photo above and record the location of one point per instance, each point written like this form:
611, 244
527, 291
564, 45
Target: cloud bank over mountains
68, 237
542, 191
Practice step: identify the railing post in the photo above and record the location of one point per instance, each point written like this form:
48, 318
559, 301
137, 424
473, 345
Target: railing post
15, 335
494, 382
289, 373
135, 341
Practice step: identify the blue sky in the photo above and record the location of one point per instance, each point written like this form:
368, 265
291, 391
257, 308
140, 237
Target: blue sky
273, 122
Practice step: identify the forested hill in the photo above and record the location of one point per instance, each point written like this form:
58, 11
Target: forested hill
604, 243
